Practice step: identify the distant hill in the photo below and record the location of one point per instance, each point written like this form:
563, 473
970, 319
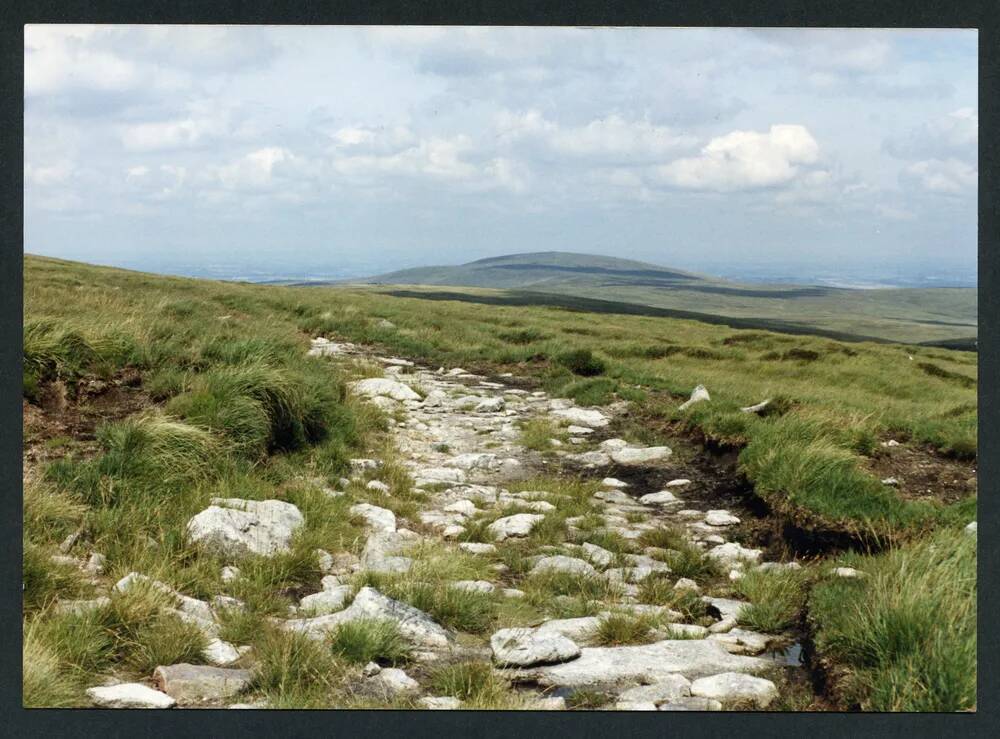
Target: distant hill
908, 315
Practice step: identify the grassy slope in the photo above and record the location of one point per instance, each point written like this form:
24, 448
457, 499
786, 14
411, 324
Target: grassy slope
910, 315
186, 337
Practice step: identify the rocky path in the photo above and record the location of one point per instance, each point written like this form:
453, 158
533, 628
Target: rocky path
459, 437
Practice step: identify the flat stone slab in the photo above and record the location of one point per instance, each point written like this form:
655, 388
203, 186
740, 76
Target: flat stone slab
523, 647
592, 419
646, 664
735, 686
669, 688
129, 695
562, 563
637, 456
518, 525
200, 683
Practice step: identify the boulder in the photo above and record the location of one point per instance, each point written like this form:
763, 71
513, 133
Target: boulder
729, 687
526, 647
200, 683
589, 459
378, 486
383, 549
611, 482
129, 695
580, 630
518, 525
378, 519
373, 387
236, 528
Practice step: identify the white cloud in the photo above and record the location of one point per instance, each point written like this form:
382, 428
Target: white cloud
254, 170
58, 57
745, 159
949, 176
610, 138
173, 134
53, 174
955, 135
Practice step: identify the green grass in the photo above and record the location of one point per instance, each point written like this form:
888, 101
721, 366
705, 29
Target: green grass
476, 684
369, 640
619, 629
903, 638
777, 598
228, 405
294, 671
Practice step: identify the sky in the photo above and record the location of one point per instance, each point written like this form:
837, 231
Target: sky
270, 151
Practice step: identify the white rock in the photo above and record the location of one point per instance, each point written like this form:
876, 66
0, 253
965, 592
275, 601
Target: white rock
395, 680
621, 705
371, 669
359, 466
691, 704
669, 688
598, 555
452, 532
685, 583
589, 459
847, 572
378, 486
614, 496
474, 586
326, 601
971, 529
698, 395
220, 653
382, 552
473, 461
490, 405
692, 658
95, 565
727, 607
550, 703
324, 559
579, 430
721, 518
741, 641
436, 475
230, 573
580, 630
235, 527
525, 647
664, 497
518, 525
731, 553
890, 481
382, 387
562, 563
200, 683
736, 686
443, 703
414, 625
680, 482
473, 547
611, 482
379, 519
582, 417
635, 456
756, 408
129, 695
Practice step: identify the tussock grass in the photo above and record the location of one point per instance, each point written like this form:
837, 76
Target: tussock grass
44, 682
537, 434
476, 684
777, 598
904, 636
619, 629
295, 671
369, 640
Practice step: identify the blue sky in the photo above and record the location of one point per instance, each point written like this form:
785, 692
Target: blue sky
351, 151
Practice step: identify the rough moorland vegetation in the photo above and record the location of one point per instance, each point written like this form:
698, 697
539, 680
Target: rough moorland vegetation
147, 397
